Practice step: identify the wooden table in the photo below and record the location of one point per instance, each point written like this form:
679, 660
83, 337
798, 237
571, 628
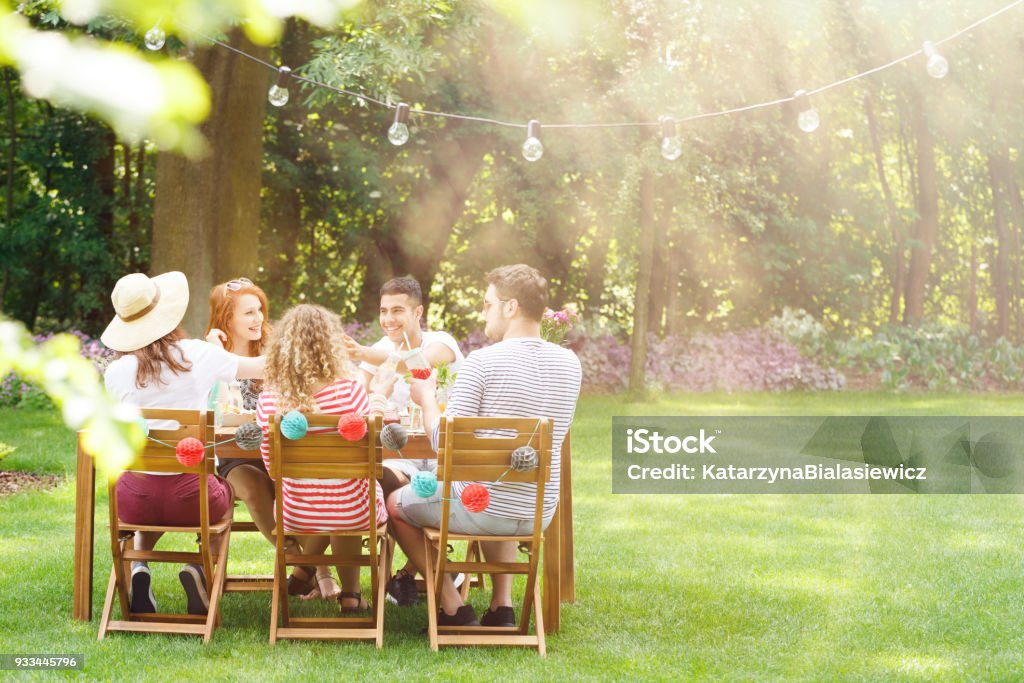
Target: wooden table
558, 586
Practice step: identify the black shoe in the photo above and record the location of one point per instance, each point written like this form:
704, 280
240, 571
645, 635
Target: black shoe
140, 595
503, 616
464, 616
401, 589
194, 582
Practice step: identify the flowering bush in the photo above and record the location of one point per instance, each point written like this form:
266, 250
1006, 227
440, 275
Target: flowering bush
555, 325
16, 392
755, 360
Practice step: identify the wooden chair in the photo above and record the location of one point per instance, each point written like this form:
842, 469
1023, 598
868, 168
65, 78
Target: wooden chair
324, 454
156, 457
472, 457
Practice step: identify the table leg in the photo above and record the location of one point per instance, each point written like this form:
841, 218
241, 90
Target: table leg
568, 571
85, 499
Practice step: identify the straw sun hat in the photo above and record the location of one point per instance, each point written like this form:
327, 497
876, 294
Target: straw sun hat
147, 309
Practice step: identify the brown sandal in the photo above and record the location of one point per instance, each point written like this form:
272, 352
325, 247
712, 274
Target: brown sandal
298, 586
361, 606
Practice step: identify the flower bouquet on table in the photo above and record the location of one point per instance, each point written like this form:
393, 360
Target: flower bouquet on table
555, 325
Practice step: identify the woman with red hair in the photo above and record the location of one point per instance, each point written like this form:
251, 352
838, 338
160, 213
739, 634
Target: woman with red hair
238, 322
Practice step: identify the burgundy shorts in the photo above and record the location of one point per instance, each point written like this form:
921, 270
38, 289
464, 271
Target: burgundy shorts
171, 500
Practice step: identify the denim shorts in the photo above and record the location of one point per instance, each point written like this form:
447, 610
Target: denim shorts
426, 512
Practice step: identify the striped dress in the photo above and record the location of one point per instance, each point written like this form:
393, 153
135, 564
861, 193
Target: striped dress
312, 505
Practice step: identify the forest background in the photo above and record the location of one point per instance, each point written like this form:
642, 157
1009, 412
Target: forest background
883, 249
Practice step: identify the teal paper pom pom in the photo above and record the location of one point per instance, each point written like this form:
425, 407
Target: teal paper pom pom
294, 425
424, 484
249, 436
143, 425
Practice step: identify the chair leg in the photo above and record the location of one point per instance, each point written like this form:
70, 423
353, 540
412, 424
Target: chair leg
431, 594
213, 614
108, 604
541, 646
384, 560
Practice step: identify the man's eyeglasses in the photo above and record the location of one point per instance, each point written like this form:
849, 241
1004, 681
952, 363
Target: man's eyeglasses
488, 304
236, 284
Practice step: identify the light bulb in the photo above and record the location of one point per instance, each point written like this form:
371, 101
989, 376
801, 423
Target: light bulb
155, 38
278, 93
671, 144
532, 148
398, 133
937, 66
807, 120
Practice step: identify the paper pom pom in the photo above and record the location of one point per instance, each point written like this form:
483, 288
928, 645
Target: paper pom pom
249, 436
420, 373
424, 484
189, 451
476, 498
143, 424
394, 437
352, 427
525, 459
294, 425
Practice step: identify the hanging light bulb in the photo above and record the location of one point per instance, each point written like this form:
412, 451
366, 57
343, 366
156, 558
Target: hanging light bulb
155, 38
671, 145
398, 133
278, 93
532, 148
808, 119
937, 66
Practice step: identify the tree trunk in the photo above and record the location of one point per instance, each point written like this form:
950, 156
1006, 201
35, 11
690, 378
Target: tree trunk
641, 296
1001, 271
898, 240
1017, 209
660, 275
12, 157
206, 215
927, 227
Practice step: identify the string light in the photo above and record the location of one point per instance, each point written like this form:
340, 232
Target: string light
808, 119
532, 148
937, 66
398, 133
155, 38
278, 93
671, 144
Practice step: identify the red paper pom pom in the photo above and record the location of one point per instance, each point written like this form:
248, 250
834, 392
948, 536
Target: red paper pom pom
189, 451
475, 498
352, 427
421, 373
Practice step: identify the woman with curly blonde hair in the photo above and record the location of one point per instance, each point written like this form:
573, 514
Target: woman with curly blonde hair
308, 370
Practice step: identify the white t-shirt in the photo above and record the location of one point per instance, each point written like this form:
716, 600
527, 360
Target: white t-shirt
185, 391
400, 397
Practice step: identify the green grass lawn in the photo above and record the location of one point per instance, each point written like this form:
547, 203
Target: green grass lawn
682, 587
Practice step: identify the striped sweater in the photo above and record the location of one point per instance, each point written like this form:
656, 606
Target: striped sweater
519, 377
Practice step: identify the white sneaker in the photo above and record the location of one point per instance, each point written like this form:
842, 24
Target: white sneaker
194, 583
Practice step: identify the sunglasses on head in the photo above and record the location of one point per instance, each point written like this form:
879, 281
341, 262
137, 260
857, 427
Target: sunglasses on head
236, 284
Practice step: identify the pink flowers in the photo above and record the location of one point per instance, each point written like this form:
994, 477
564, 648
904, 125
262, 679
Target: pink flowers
555, 325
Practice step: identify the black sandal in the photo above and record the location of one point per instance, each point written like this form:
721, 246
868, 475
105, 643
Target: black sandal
362, 606
297, 586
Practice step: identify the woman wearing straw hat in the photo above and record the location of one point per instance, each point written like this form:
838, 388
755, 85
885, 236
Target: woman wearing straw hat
157, 367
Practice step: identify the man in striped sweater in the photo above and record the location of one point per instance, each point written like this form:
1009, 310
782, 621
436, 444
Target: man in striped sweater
520, 376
